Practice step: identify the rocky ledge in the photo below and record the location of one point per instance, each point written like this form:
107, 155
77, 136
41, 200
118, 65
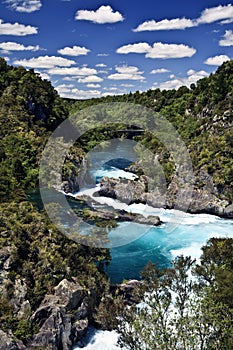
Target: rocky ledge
203, 200
121, 216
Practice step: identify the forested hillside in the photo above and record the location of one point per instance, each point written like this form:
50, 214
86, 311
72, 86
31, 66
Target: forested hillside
34, 256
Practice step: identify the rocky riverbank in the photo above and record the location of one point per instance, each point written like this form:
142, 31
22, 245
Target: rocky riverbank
204, 199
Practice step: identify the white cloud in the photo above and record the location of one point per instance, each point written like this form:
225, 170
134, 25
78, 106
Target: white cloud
126, 73
215, 14
101, 65
69, 78
128, 69
74, 51
175, 82
12, 46
90, 79
79, 94
63, 88
209, 15
165, 51
93, 86
228, 39
27, 6
16, 29
165, 24
45, 62
104, 14
159, 71
217, 60
74, 71
134, 48
159, 50
103, 54
112, 88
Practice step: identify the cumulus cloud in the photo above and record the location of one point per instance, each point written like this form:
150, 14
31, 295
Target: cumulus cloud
16, 29
12, 46
45, 62
63, 88
103, 54
165, 24
104, 14
218, 13
159, 71
221, 13
227, 39
158, 50
175, 82
126, 73
134, 48
74, 51
90, 79
27, 6
217, 60
165, 51
73, 71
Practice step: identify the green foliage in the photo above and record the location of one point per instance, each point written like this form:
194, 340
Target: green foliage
180, 313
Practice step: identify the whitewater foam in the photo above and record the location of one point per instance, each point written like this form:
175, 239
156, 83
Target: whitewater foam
99, 340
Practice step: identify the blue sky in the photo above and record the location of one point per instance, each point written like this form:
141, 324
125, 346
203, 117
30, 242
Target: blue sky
93, 48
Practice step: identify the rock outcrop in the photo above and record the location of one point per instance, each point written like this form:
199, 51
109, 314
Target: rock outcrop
122, 215
62, 317
202, 200
60, 321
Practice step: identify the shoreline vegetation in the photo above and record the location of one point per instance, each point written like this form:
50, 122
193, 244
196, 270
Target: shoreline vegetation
51, 288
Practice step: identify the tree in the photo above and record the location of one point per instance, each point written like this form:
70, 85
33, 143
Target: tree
176, 313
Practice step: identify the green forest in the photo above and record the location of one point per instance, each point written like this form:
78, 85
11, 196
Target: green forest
36, 257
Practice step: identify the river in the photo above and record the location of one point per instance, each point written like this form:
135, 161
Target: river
180, 233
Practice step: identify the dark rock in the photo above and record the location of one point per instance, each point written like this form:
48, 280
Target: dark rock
228, 211
55, 314
127, 291
80, 328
